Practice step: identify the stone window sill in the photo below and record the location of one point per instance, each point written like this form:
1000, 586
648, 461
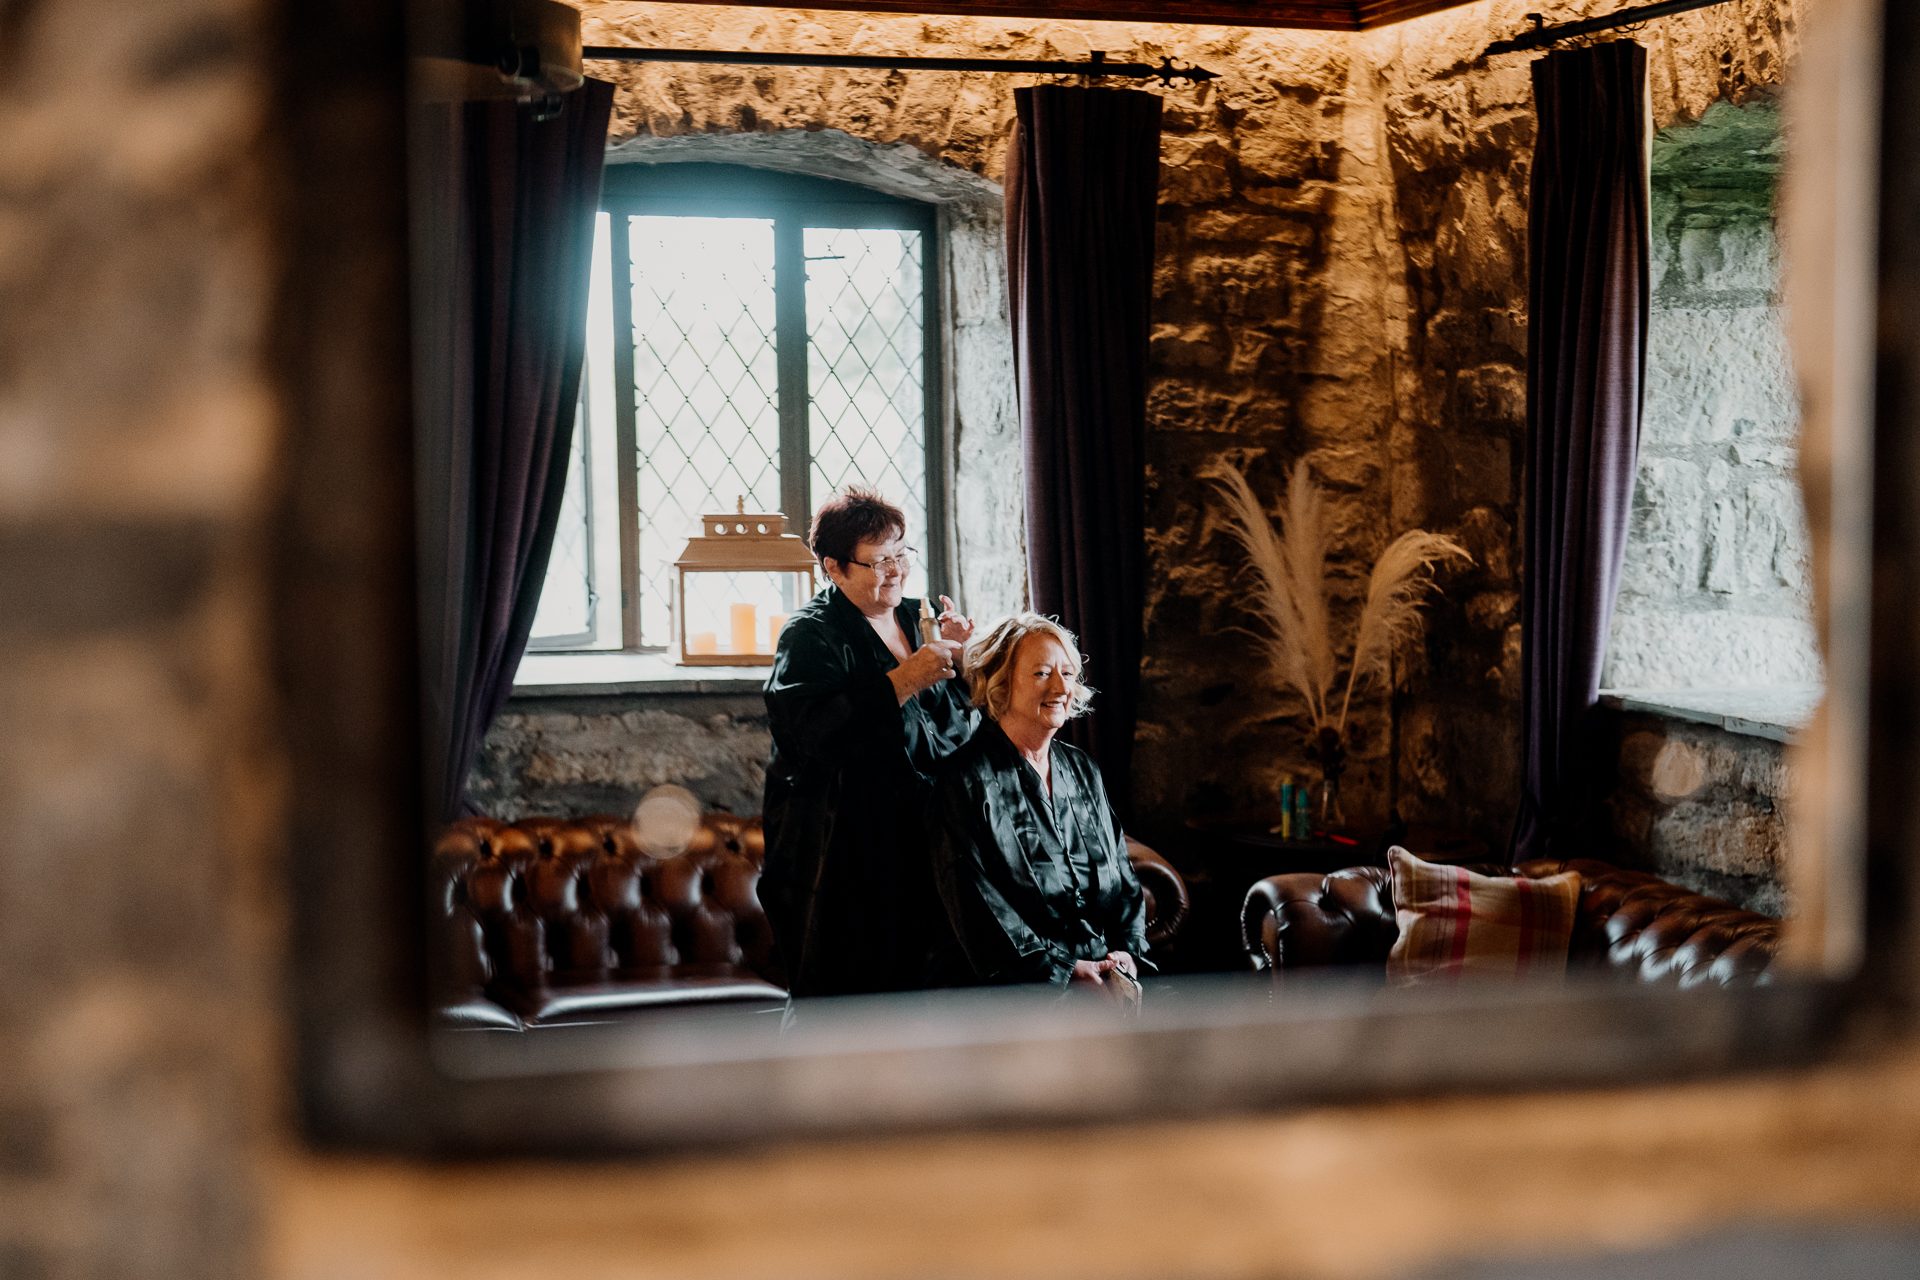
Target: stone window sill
572, 675
1778, 712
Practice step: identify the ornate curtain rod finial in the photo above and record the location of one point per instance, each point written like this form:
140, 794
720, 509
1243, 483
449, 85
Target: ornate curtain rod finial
1167, 73
1543, 36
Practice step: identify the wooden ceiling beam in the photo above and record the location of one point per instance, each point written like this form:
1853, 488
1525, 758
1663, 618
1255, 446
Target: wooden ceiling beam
1303, 15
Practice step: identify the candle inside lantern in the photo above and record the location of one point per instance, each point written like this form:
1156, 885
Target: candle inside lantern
746, 625
775, 621
703, 642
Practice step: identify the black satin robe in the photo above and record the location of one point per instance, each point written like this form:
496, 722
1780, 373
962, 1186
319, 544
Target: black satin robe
1031, 882
847, 887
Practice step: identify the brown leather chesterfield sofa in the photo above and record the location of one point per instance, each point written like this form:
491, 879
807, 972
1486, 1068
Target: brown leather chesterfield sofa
1630, 924
553, 920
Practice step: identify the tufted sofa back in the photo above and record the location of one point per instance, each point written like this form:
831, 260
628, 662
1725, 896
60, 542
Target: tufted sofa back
549, 902
521, 904
1629, 923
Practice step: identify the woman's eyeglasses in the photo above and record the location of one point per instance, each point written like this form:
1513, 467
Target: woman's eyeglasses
886, 564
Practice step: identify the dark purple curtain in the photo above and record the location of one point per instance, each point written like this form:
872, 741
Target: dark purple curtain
1082, 182
503, 249
1588, 297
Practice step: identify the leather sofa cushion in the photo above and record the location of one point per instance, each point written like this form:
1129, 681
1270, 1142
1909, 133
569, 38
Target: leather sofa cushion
476, 1013
571, 995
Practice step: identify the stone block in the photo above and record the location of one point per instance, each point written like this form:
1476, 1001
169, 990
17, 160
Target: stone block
1482, 469
1194, 171
1225, 224
1493, 610
1197, 346
1719, 548
1273, 154
1719, 375
1703, 808
1742, 260
1493, 393
602, 755
1489, 538
1664, 540
1656, 648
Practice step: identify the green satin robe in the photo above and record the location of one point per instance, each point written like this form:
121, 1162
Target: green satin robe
1031, 882
846, 886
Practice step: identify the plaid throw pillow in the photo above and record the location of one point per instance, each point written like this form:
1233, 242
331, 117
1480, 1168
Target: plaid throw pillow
1455, 924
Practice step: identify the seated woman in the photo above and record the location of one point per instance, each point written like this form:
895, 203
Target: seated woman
1027, 853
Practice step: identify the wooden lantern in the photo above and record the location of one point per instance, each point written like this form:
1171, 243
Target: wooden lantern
734, 585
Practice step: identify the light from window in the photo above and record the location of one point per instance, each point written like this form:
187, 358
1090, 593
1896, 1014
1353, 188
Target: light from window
866, 368
706, 386
688, 407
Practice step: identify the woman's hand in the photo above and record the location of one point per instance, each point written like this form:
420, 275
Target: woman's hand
1091, 973
954, 625
1123, 990
1096, 971
928, 666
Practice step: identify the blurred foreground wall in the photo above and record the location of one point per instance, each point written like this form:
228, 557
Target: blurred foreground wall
144, 1093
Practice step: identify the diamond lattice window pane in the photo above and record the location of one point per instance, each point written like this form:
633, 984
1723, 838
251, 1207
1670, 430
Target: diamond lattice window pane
866, 370
565, 614
706, 386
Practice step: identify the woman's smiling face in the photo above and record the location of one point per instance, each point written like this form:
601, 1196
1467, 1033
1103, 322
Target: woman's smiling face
872, 591
1041, 684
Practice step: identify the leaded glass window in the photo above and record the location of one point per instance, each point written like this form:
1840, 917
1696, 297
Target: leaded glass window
765, 337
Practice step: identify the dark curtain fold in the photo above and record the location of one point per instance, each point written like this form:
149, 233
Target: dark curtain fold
503, 248
1082, 182
1589, 296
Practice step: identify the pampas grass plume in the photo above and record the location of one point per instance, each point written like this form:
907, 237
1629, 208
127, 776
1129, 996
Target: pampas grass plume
1401, 580
1289, 594
1283, 598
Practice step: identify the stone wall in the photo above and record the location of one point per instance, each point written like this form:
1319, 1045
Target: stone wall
1717, 587
570, 756
1341, 278
1701, 807
141, 771
1459, 131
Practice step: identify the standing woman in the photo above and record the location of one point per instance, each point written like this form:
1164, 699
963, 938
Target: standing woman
1028, 855
861, 713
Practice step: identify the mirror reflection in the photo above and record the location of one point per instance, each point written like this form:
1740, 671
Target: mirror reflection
899, 531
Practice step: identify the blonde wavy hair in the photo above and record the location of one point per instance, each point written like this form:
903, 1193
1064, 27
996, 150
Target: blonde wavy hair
989, 662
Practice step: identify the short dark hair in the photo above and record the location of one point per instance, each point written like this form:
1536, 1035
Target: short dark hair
851, 517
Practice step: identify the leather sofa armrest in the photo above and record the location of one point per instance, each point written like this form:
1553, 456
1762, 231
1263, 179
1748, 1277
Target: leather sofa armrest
1167, 900
1307, 920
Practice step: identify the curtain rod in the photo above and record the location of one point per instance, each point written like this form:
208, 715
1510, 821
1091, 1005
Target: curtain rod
1096, 65
1542, 35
